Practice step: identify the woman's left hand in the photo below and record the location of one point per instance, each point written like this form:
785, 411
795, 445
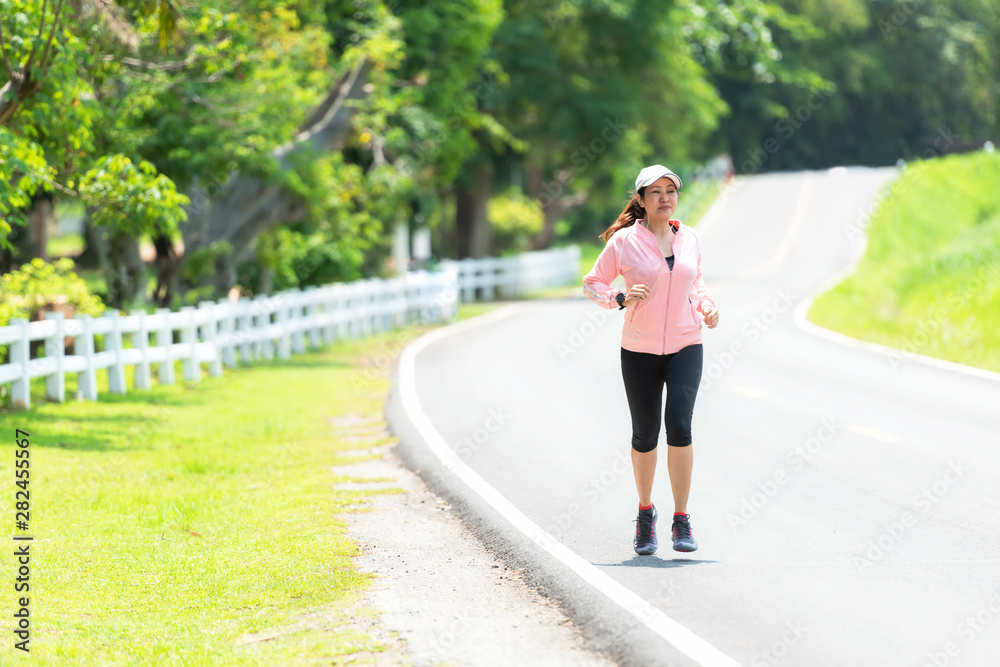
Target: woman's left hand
712, 318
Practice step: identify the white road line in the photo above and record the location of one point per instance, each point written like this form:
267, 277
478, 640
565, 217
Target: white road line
895, 355
872, 433
791, 406
670, 630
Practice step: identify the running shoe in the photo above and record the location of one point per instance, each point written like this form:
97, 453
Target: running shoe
681, 530
645, 532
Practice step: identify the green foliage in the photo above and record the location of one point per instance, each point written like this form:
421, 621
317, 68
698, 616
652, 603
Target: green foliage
930, 279
562, 99
23, 170
52, 129
39, 286
595, 90
515, 218
199, 266
132, 199
298, 260
246, 85
904, 79
583, 71
446, 75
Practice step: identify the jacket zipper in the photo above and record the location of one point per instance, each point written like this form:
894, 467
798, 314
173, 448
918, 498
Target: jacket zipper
670, 285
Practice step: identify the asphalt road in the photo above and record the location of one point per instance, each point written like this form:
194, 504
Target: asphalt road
845, 501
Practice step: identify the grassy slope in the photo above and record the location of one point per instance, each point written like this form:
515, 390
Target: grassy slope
929, 282
171, 523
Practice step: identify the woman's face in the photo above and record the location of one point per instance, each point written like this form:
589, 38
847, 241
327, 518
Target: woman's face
660, 198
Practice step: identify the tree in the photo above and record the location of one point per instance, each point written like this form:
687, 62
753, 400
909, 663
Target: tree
247, 205
178, 93
901, 80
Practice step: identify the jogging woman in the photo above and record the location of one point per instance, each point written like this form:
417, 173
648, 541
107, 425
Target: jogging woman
665, 302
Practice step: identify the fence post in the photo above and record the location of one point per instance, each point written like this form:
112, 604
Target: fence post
55, 348
20, 353
165, 339
448, 298
87, 378
284, 339
328, 333
370, 327
140, 341
312, 312
399, 303
572, 264
192, 370
262, 321
244, 325
228, 330
362, 321
210, 335
344, 312
113, 343
295, 323
379, 299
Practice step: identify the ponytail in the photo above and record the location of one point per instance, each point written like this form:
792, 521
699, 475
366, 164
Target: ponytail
627, 217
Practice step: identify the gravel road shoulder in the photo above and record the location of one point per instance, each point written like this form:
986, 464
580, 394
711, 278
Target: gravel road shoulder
443, 597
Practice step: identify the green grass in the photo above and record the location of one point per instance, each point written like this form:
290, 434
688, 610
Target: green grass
467, 310
929, 282
172, 525
68, 245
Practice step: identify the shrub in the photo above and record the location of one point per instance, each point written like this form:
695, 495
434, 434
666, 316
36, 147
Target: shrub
39, 286
515, 218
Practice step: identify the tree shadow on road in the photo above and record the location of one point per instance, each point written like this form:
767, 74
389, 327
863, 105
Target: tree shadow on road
655, 561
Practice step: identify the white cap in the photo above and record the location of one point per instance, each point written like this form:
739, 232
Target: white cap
654, 173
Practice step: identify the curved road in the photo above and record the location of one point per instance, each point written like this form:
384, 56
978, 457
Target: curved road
845, 501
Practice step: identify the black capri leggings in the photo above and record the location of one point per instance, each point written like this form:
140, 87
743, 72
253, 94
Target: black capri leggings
644, 375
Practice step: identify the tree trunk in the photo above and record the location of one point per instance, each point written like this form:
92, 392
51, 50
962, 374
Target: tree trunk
463, 223
473, 234
167, 271
91, 257
31, 240
39, 218
13, 93
545, 237
125, 272
556, 202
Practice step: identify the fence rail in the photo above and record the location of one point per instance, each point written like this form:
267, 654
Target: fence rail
514, 276
226, 333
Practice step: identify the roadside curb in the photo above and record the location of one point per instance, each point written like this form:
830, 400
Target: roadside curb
803, 323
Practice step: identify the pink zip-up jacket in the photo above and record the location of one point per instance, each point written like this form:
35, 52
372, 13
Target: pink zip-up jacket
670, 318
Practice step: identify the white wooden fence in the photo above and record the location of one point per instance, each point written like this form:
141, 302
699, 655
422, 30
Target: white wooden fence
226, 332
514, 276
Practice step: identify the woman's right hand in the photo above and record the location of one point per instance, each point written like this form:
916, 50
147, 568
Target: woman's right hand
636, 293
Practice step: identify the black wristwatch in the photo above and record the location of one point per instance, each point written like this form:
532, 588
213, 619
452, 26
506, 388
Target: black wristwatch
620, 298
